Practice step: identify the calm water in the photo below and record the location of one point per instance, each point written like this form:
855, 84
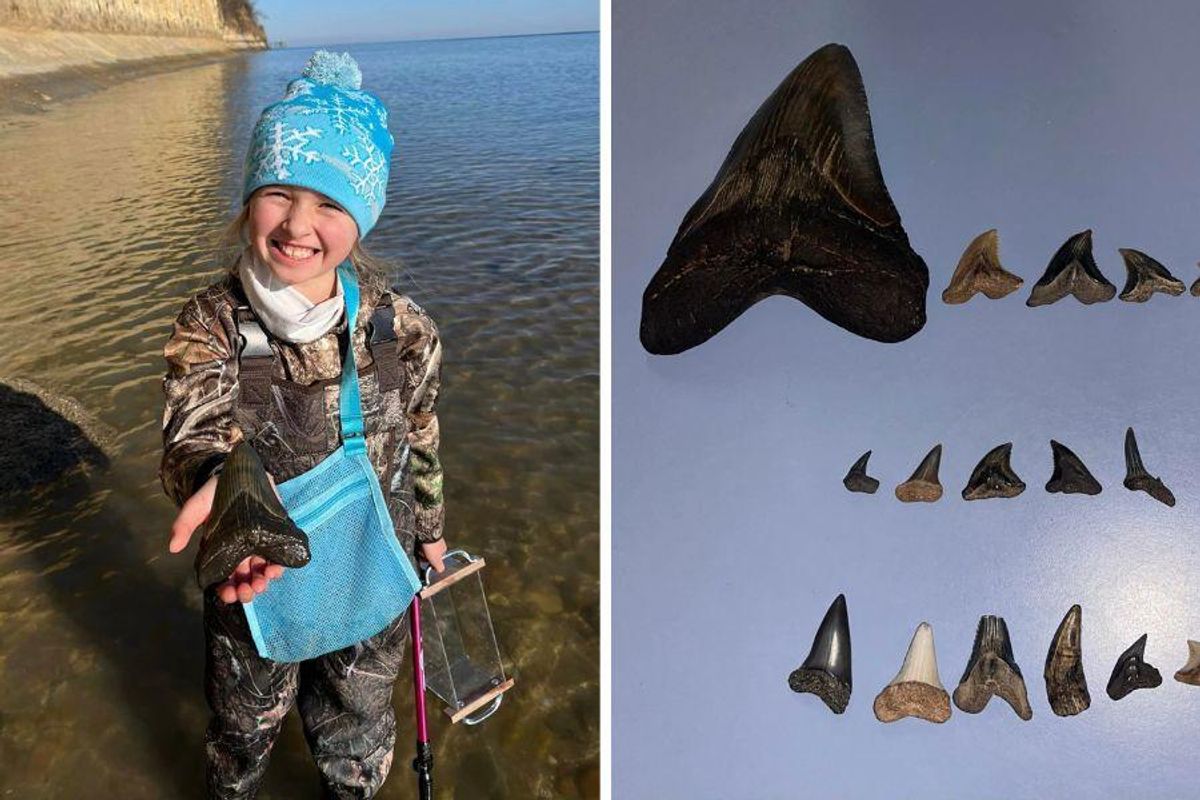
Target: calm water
110, 206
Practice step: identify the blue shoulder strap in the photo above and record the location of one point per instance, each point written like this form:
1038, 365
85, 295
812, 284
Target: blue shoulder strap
350, 404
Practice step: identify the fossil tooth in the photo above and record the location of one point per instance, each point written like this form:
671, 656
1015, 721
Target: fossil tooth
826, 671
1147, 276
1072, 270
798, 208
1070, 476
979, 270
1190, 672
1136, 477
917, 690
992, 670
857, 479
1196, 286
1131, 671
1066, 685
923, 486
993, 476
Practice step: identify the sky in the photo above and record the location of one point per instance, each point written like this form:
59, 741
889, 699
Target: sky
310, 22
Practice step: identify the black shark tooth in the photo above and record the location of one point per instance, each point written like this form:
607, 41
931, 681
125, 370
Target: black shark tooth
1070, 476
1072, 270
979, 270
992, 670
924, 485
857, 479
798, 208
1066, 685
1136, 477
826, 671
1131, 671
993, 476
1147, 276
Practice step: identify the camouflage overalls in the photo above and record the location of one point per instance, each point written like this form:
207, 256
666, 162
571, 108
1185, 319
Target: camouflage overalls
287, 404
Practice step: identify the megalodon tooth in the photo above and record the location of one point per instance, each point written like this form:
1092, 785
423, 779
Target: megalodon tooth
1066, 685
992, 670
1190, 672
826, 671
1147, 276
923, 486
247, 519
993, 476
1136, 476
1131, 672
1070, 476
917, 689
798, 208
1073, 270
979, 270
857, 479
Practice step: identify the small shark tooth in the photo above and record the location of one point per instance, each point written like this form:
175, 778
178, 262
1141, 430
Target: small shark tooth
1131, 671
1196, 285
1072, 270
979, 270
1066, 685
1070, 476
857, 479
1190, 672
993, 476
917, 690
923, 486
1147, 276
826, 671
992, 670
1136, 477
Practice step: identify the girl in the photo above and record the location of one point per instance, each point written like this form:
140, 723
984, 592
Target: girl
258, 356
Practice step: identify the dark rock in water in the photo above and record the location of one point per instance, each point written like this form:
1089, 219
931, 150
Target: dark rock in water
1073, 270
857, 479
826, 671
1066, 685
993, 476
1147, 276
992, 670
979, 270
1070, 476
923, 486
798, 208
1131, 672
1136, 477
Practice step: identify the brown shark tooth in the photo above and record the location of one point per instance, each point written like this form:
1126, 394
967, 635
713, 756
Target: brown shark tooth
1070, 476
993, 476
1131, 671
826, 671
1190, 672
924, 485
979, 270
1066, 685
992, 670
1136, 477
1146, 276
1196, 285
798, 208
857, 479
1073, 270
917, 689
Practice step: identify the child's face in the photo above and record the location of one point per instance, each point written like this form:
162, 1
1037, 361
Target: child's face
319, 232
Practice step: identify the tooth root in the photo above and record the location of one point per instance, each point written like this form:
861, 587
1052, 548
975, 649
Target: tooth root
826, 671
979, 270
1190, 672
1073, 270
992, 670
1136, 476
924, 485
857, 479
993, 476
1131, 672
917, 689
1066, 685
1146, 276
1070, 476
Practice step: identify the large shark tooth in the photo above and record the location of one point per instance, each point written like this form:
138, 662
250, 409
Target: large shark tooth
1066, 685
1070, 476
1131, 672
924, 485
979, 270
798, 208
917, 690
1146, 276
857, 479
826, 671
1072, 270
992, 670
1136, 476
993, 476
1190, 672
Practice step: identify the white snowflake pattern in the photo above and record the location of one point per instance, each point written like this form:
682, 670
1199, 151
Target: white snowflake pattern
366, 173
282, 146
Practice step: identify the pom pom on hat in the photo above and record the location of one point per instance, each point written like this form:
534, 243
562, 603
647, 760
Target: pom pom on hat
335, 69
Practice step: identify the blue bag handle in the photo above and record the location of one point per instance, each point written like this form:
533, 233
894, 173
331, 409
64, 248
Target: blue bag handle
350, 403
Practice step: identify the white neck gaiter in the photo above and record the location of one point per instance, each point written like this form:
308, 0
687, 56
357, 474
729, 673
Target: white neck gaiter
284, 310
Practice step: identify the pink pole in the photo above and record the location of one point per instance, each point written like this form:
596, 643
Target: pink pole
414, 615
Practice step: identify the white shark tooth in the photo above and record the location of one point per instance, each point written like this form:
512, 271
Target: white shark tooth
1190, 673
917, 690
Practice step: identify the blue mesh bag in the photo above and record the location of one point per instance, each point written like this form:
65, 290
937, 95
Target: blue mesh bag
359, 579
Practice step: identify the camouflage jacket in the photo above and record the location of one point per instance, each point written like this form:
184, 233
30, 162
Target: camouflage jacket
298, 424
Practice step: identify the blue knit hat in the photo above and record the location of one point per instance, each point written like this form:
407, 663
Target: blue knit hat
327, 135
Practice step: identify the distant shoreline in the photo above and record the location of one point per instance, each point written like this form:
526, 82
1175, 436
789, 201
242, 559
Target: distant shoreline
436, 39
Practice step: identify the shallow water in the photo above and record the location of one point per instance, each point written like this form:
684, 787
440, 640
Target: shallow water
110, 205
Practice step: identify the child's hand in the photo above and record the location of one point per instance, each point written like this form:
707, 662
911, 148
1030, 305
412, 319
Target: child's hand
433, 552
